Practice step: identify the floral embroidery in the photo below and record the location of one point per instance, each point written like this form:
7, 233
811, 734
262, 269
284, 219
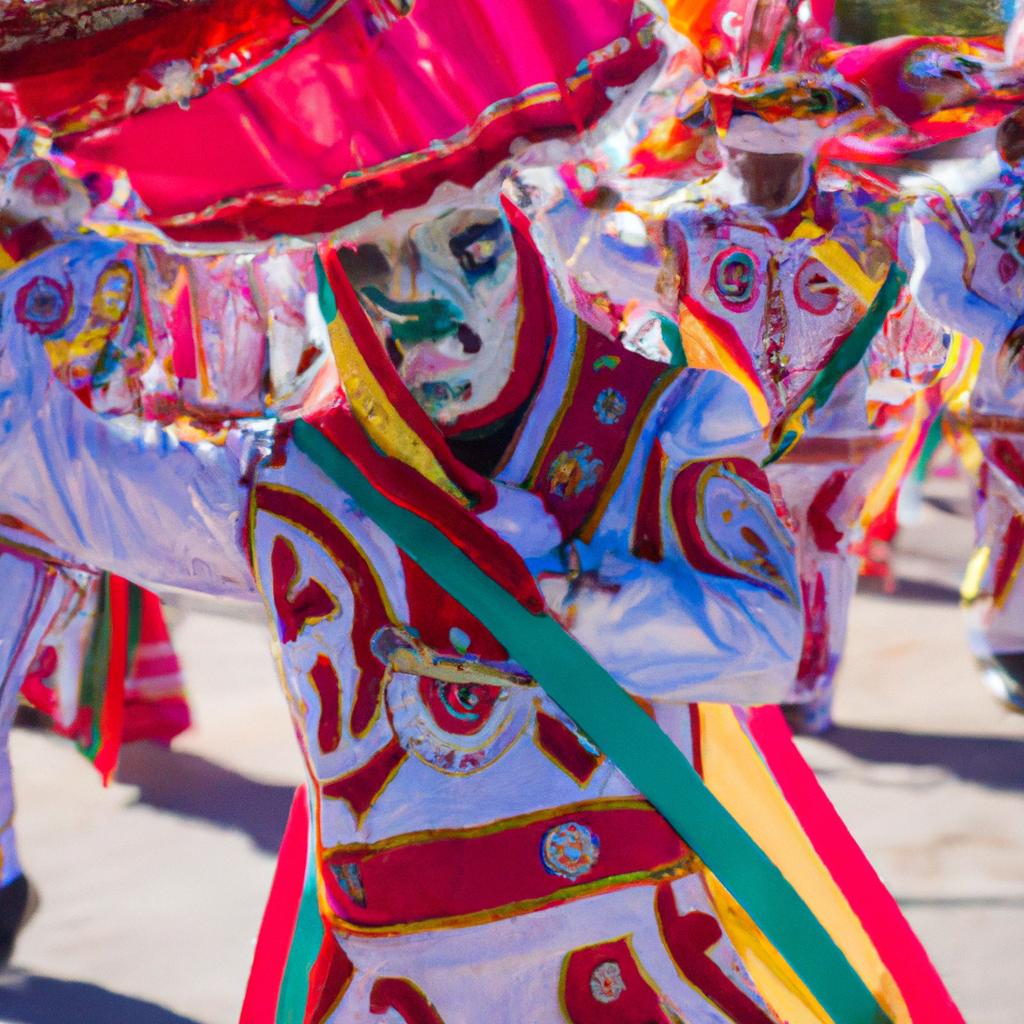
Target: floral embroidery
574, 472
43, 305
610, 406
734, 279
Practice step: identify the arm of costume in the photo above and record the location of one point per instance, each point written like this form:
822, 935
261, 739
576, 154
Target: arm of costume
694, 593
119, 494
935, 260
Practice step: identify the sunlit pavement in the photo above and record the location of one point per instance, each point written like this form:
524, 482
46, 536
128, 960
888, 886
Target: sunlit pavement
152, 890
928, 770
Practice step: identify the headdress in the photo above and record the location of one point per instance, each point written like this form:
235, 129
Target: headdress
317, 119
782, 112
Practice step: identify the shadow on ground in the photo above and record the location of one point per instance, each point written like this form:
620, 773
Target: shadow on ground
194, 787
984, 760
959, 505
910, 589
30, 999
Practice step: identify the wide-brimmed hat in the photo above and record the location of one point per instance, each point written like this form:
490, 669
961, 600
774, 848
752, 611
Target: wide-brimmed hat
923, 90
782, 112
318, 120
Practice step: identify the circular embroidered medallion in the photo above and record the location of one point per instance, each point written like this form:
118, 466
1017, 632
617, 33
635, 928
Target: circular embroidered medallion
570, 850
456, 728
43, 305
606, 982
734, 278
461, 709
610, 406
814, 291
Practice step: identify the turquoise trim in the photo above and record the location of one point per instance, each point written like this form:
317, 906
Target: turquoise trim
307, 940
845, 358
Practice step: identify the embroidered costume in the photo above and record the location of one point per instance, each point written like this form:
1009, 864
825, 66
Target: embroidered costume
970, 274
509, 505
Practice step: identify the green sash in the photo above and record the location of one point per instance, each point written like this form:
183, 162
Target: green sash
843, 360
627, 736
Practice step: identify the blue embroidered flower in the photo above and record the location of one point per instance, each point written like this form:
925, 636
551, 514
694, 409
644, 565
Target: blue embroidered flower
610, 406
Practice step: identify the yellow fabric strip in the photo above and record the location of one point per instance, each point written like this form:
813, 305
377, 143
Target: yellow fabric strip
975, 574
375, 412
737, 775
705, 352
832, 255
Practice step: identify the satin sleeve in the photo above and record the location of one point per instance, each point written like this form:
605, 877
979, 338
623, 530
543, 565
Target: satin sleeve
689, 589
935, 261
115, 493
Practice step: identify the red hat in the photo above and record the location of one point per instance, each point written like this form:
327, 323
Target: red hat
924, 90
751, 37
316, 121
791, 109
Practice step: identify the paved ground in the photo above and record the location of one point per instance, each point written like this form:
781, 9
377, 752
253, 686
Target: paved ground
928, 771
153, 888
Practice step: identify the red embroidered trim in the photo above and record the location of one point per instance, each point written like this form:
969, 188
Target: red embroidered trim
370, 611
688, 938
497, 870
560, 743
360, 788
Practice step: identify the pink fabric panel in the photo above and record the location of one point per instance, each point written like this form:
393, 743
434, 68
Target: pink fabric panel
925, 995
347, 99
274, 941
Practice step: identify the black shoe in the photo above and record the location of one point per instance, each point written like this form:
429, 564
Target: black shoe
28, 717
811, 719
18, 902
1004, 676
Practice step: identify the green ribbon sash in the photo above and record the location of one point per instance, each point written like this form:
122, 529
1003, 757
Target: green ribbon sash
628, 737
843, 360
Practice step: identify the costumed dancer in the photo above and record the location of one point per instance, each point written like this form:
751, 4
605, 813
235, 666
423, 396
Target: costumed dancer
760, 272
902, 97
802, 279
92, 650
743, 271
993, 588
446, 551
59, 648
936, 90
969, 268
